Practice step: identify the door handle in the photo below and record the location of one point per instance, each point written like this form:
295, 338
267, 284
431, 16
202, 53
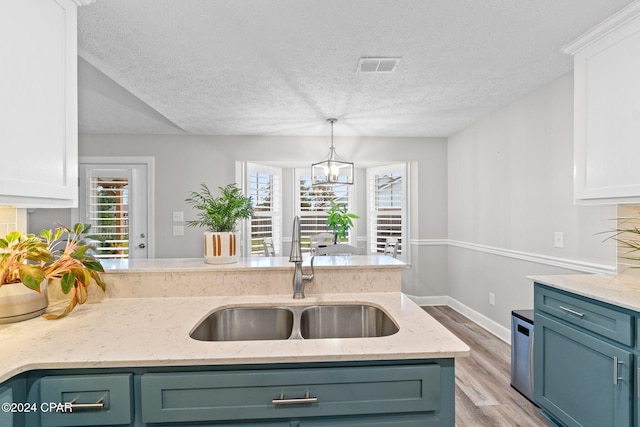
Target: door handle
142, 246
616, 370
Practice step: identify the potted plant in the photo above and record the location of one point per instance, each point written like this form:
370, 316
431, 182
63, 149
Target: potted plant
22, 292
28, 262
339, 220
220, 216
73, 264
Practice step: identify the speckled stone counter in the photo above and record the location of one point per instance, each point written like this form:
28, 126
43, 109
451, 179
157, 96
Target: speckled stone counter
154, 330
621, 290
250, 276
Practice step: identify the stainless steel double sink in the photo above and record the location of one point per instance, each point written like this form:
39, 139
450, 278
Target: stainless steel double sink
294, 322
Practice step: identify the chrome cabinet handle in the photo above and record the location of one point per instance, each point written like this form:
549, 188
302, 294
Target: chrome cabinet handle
616, 376
98, 406
568, 310
295, 401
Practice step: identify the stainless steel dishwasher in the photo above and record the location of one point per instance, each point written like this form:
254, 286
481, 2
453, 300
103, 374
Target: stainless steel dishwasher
522, 352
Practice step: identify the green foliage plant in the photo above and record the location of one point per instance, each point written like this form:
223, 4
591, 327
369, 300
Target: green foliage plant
220, 214
62, 254
339, 220
627, 236
73, 263
22, 259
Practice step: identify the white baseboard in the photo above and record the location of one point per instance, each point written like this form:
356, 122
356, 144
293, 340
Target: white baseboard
488, 324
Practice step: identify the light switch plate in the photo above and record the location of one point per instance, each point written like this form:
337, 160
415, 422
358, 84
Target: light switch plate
178, 216
178, 230
558, 239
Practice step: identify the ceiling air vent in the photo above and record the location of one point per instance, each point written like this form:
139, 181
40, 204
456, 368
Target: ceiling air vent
368, 64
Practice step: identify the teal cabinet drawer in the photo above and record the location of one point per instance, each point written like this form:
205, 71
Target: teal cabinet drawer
598, 318
104, 400
247, 394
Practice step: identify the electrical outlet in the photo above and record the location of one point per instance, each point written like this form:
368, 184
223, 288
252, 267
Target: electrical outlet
492, 298
558, 239
178, 216
178, 230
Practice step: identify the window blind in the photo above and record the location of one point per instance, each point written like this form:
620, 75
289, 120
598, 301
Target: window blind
387, 206
109, 216
264, 186
314, 202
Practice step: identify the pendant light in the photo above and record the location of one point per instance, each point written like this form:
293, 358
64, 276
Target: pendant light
332, 171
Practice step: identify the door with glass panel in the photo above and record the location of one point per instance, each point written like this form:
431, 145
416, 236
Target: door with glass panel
113, 199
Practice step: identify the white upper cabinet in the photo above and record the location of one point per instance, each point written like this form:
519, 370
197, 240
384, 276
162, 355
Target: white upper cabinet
38, 103
607, 110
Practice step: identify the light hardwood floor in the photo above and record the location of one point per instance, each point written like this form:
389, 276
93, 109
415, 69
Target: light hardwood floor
483, 394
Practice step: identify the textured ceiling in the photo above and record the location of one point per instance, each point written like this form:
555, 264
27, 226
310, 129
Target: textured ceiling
281, 67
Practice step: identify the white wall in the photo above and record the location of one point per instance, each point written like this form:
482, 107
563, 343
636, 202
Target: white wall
510, 178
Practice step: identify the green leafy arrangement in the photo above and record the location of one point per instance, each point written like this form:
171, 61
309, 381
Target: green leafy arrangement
339, 220
627, 235
220, 214
62, 254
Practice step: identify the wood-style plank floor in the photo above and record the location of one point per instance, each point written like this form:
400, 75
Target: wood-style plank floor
484, 396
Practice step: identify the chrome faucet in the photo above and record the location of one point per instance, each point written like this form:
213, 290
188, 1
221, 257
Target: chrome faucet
299, 278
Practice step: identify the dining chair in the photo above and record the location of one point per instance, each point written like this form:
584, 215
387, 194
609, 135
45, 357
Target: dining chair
339, 249
391, 247
267, 244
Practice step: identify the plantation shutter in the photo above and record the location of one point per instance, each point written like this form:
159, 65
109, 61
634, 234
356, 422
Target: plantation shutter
312, 204
264, 186
108, 212
387, 201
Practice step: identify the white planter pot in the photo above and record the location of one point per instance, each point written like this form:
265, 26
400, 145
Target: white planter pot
221, 248
17, 302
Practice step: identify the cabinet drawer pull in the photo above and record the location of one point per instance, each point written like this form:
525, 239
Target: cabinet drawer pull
568, 310
98, 406
616, 371
295, 401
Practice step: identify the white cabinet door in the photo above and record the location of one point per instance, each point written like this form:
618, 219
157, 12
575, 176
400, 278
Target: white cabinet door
38, 106
607, 110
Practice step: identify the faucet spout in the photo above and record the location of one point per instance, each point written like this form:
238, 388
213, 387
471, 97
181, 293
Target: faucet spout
299, 278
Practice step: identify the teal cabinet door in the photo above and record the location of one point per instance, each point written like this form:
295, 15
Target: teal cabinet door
6, 398
579, 379
13, 399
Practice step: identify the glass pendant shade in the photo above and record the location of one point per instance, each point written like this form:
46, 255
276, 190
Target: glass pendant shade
333, 170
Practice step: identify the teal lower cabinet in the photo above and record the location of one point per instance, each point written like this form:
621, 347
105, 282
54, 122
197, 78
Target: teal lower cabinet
582, 378
85, 400
12, 399
296, 393
373, 394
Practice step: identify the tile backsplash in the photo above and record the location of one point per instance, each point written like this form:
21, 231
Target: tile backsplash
628, 217
12, 219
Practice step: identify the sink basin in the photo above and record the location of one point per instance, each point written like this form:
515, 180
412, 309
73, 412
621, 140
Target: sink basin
245, 323
345, 321
294, 322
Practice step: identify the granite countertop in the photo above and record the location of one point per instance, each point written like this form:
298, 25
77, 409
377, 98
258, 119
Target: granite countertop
136, 332
621, 290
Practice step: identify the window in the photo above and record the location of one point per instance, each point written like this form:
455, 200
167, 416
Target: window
109, 215
387, 206
263, 184
312, 204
